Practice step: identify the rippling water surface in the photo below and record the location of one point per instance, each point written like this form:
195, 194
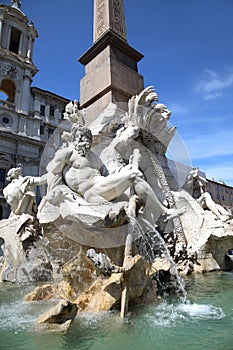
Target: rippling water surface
205, 322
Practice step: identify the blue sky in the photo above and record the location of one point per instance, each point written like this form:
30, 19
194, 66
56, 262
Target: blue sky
188, 52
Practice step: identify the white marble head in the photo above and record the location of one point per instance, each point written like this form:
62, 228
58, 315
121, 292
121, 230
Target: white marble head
82, 139
14, 173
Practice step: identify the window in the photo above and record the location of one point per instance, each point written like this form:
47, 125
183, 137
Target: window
14, 40
8, 88
223, 198
2, 178
3, 96
51, 112
50, 131
42, 110
218, 196
42, 129
5, 120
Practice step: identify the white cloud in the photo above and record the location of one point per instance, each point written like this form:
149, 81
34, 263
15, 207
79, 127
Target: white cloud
211, 85
214, 144
212, 96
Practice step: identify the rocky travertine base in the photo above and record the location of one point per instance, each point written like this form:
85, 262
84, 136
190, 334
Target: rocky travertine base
59, 317
45, 292
103, 294
106, 294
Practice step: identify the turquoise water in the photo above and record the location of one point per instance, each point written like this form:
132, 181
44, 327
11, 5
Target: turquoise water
204, 322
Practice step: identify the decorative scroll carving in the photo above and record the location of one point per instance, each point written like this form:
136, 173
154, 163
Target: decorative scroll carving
9, 70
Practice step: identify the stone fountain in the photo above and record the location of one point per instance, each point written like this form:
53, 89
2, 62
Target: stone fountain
114, 227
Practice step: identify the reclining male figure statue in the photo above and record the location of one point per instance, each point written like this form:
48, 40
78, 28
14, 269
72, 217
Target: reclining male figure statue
79, 168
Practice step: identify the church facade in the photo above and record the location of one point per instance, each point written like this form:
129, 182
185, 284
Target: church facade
28, 115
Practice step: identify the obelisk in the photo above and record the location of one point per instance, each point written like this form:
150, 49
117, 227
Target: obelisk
109, 15
111, 72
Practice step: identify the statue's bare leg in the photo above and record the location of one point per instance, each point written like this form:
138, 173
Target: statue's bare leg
110, 187
147, 195
151, 201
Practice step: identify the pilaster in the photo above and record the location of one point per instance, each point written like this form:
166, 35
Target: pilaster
22, 126
1, 29
25, 93
6, 35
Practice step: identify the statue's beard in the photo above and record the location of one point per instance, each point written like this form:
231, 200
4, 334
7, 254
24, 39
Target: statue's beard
82, 149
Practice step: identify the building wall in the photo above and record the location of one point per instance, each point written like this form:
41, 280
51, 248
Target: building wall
23, 137
221, 194
28, 115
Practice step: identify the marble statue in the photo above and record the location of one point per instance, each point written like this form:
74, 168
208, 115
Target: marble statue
85, 174
77, 176
21, 232
21, 197
19, 193
196, 186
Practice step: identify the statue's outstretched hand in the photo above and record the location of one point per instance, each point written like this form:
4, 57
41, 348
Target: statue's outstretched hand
174, 213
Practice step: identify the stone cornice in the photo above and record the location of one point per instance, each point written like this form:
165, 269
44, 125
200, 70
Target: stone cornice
21, 138
13, 12
112, 39
37, 91
18, 60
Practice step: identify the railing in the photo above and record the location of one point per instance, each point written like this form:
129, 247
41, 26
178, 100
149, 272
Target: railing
7, 105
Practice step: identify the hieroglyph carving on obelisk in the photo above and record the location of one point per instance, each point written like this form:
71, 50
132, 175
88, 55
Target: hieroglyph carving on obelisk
109, 15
